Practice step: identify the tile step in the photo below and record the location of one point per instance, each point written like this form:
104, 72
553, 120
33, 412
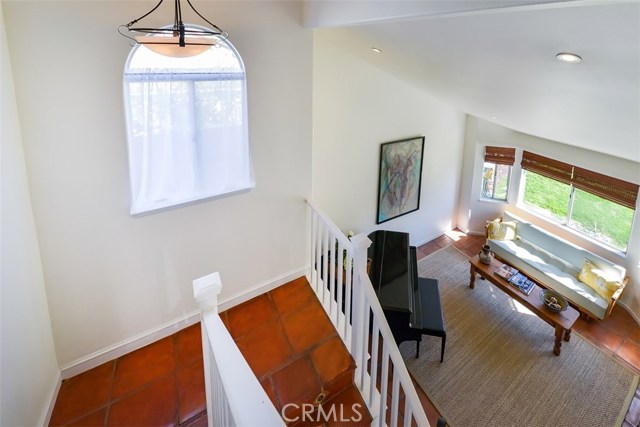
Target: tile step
344, 409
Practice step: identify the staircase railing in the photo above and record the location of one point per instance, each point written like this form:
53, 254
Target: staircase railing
338, 275
234, 395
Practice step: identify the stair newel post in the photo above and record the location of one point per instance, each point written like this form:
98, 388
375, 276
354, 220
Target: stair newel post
206, 290
358, 344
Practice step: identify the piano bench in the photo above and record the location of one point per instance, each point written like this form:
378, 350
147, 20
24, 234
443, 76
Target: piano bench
431, 313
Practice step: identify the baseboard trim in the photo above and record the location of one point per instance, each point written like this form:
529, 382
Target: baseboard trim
470, 233
53, 395
120, 349
631, 313
262, 288
145, 338
429, 239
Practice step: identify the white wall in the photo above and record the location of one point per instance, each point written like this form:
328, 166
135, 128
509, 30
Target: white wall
481, 133
28, 367
357, 107
111, 277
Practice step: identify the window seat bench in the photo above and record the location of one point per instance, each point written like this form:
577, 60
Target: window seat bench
589, 282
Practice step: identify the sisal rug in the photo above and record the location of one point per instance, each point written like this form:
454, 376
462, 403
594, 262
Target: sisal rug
499, 369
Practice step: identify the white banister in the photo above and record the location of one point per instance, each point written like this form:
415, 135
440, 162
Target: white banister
338, 275
234, 395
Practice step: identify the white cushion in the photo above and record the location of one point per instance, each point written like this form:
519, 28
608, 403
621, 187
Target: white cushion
573, 254
556, 263
552, 271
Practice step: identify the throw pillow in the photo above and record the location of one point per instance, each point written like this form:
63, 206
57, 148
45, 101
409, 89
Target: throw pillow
498, 230
594, 277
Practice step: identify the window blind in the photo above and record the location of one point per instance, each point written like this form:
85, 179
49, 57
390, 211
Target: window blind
615, 190
545, 166
500, 155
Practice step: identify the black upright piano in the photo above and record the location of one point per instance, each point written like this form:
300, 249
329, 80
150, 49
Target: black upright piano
394, 275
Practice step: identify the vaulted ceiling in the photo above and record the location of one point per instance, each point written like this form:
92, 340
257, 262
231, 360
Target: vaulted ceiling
496, 60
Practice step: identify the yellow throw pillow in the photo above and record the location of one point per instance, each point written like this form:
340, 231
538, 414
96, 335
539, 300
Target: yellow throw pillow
502, 230
594, 277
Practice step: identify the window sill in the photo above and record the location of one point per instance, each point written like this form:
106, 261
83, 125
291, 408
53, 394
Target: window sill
149, 210
574, 232
497, 201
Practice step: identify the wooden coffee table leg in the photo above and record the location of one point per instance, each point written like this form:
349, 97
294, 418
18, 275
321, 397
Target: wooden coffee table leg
472, 279
559, 337
567, 335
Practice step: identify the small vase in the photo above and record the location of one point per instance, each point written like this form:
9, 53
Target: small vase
485, 254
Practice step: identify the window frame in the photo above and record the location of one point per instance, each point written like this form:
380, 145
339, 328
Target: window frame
198, 192
497, 156
493, 182
566, 222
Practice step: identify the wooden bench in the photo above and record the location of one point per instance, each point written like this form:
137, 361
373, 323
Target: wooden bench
431, 313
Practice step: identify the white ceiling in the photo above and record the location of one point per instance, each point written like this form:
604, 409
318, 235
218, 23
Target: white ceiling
497, 59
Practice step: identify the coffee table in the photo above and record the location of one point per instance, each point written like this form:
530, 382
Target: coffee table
562, 322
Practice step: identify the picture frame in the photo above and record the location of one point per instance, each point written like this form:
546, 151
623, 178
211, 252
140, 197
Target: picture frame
400, 178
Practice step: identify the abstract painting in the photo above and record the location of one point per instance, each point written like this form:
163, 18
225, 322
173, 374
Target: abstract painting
400, 178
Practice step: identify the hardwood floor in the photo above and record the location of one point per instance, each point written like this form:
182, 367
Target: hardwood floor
618, 335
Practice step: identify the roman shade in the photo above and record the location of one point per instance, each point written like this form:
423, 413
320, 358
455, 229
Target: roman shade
545, 166
615, 190
500, 155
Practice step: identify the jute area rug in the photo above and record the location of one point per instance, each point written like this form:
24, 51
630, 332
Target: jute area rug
499, 369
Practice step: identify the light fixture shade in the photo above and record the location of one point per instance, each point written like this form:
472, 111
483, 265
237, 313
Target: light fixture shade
170, 46
569, 57
177, 40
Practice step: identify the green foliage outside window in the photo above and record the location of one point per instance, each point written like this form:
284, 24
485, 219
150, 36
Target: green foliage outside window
605, 221
547, 196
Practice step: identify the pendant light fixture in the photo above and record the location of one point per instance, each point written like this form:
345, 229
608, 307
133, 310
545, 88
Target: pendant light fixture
175, 40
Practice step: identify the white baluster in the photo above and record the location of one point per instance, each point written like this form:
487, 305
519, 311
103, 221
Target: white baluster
348, 329
313, 272
361, 302
384, 381
360, 245
395, 397
318, 261
374, 363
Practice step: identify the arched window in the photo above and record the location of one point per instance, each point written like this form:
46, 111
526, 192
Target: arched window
187, 126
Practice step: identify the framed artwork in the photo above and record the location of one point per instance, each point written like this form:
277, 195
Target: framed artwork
400, 178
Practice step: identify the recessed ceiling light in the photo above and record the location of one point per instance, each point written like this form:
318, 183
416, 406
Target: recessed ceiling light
492, 117
376, 50
569, 57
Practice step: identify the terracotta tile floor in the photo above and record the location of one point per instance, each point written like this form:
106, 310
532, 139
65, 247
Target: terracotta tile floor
294, 350
162, 383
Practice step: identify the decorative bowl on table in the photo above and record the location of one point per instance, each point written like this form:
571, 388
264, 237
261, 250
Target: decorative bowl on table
553, 300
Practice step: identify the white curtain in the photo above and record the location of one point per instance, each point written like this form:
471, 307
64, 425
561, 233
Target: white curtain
187, 137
